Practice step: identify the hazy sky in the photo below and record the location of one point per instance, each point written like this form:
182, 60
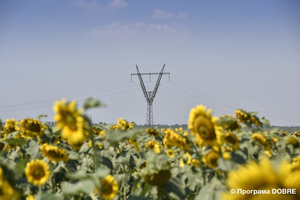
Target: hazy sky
224, 54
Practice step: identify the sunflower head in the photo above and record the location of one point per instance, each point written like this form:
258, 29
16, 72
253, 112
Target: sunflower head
109, 187
230, 139
293, 141
211, 159
204, 126
157, 177
262, 140
262, 176
152, 132
31, 128
11, 125
6, 190
54, 153
170, 153
185, 159
69, 120
122, 125
242, 115
37, 172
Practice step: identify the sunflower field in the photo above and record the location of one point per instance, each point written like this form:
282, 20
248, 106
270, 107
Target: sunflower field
228, 157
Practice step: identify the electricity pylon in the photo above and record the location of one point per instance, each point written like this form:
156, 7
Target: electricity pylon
149, 95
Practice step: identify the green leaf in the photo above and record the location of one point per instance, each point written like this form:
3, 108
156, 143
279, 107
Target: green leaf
265, 122
41, 116
80, 174
210, 191
18, 141
85, 186
92, 103
119, 135
49, 196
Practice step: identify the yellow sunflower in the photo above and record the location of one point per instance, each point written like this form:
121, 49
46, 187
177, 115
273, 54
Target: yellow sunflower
262, 140
69, 120
109, 187
170, 153
261, 177
54, 153
30, 197
152, 132
204, 126
11, 125
185, 159
230, 139
211, 159
154, 145
31, 128
122, 125
7, 192
37, 172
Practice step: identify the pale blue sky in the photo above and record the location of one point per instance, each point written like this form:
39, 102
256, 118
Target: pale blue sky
222, 54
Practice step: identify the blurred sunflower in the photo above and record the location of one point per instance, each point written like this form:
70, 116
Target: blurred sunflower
195, 162
293, 141
230, 139
211, 159
54, 153
185, 159
174, 139
11, 125
109, 187
154, 145
30, 197
170, 153
204, 126
70, 122
241, 115
122, 125
263, 176
31, 128
7, 192
152, 132
262, 140
37, 172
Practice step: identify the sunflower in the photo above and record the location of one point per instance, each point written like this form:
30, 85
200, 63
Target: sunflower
157, 177
204, 126
154, 145
293, 141
7, 192
109, 187
152, 132
122, 125
263, 176
30, 197
31, 128
174, 139
230, 139
70, 122
242, 115
54, 153
211, 159
262, 140
185, 159
170, 153
11, 125
195, 162
37, 172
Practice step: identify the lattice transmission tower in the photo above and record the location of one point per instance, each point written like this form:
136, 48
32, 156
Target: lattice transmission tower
149, 95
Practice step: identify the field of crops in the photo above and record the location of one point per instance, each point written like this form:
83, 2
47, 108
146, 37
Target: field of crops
225, 157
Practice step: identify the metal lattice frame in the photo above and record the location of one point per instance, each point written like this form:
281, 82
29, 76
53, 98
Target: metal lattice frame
149, 95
